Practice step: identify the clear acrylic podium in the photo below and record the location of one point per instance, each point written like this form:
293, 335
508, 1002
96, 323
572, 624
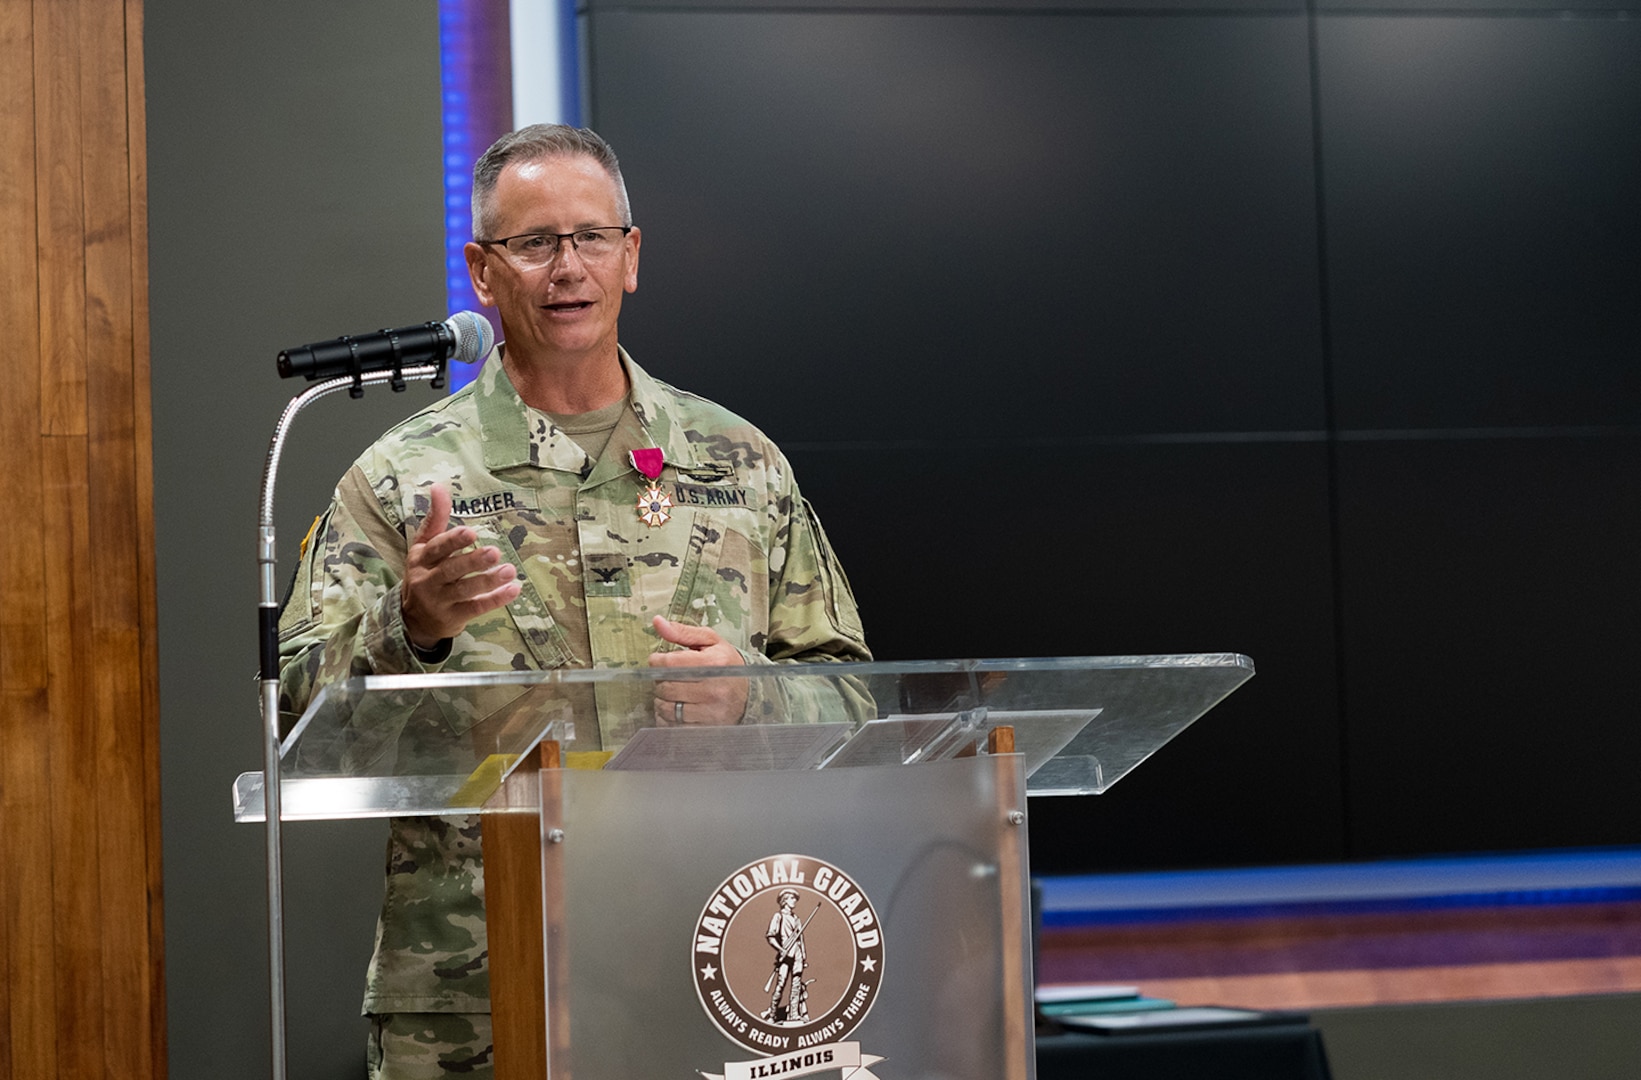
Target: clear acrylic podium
837, 889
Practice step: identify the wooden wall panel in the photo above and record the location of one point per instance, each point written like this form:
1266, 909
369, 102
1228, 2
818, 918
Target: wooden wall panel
139, 754
31, 954
61, 227
74, 797
22, 601
81, 988
111, 495
27, 1000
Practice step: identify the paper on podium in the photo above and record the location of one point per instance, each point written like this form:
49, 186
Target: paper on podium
730, 748
1039, 734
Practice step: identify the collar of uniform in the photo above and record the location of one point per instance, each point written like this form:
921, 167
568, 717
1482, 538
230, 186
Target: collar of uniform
650, 399
502, 415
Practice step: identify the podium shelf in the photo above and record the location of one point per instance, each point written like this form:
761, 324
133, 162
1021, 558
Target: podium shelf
397, 745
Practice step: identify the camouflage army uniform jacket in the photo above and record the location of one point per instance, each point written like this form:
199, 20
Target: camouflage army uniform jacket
743, 554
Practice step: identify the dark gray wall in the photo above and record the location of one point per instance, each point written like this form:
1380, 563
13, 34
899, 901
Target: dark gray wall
1108, 328
294, 195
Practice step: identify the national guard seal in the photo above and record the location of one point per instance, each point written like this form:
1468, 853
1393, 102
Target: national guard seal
788, 958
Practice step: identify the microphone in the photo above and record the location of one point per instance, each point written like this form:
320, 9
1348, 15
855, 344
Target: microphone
465, 337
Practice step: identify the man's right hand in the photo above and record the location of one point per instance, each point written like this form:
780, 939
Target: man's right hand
448, 582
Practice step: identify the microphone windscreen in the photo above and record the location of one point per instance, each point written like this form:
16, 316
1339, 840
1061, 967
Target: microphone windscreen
474, 336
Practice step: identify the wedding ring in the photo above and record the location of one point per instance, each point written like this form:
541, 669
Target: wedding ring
678, 712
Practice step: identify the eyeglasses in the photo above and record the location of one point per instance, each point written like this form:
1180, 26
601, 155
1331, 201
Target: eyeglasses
532, 251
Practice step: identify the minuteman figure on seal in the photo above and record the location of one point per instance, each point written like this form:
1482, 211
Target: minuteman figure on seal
785, 936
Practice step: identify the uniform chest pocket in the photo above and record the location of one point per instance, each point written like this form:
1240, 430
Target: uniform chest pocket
519, 539
522, 636
724, 580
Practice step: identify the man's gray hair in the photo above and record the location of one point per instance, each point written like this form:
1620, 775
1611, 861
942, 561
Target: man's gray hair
535, 143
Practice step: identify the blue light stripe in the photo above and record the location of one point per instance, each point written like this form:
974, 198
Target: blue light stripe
464, 78
1560, 877
458, 73
569, 63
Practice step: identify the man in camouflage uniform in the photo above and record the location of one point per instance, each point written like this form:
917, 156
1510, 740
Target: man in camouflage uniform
503, 529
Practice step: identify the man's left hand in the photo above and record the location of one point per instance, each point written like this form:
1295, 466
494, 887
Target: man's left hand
700, 701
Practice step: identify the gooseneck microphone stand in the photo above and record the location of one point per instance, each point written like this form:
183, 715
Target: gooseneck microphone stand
268, 633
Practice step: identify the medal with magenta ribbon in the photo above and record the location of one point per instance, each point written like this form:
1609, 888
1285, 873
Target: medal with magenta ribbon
653, 503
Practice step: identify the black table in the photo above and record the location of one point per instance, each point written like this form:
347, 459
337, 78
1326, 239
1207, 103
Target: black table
1269, 1052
